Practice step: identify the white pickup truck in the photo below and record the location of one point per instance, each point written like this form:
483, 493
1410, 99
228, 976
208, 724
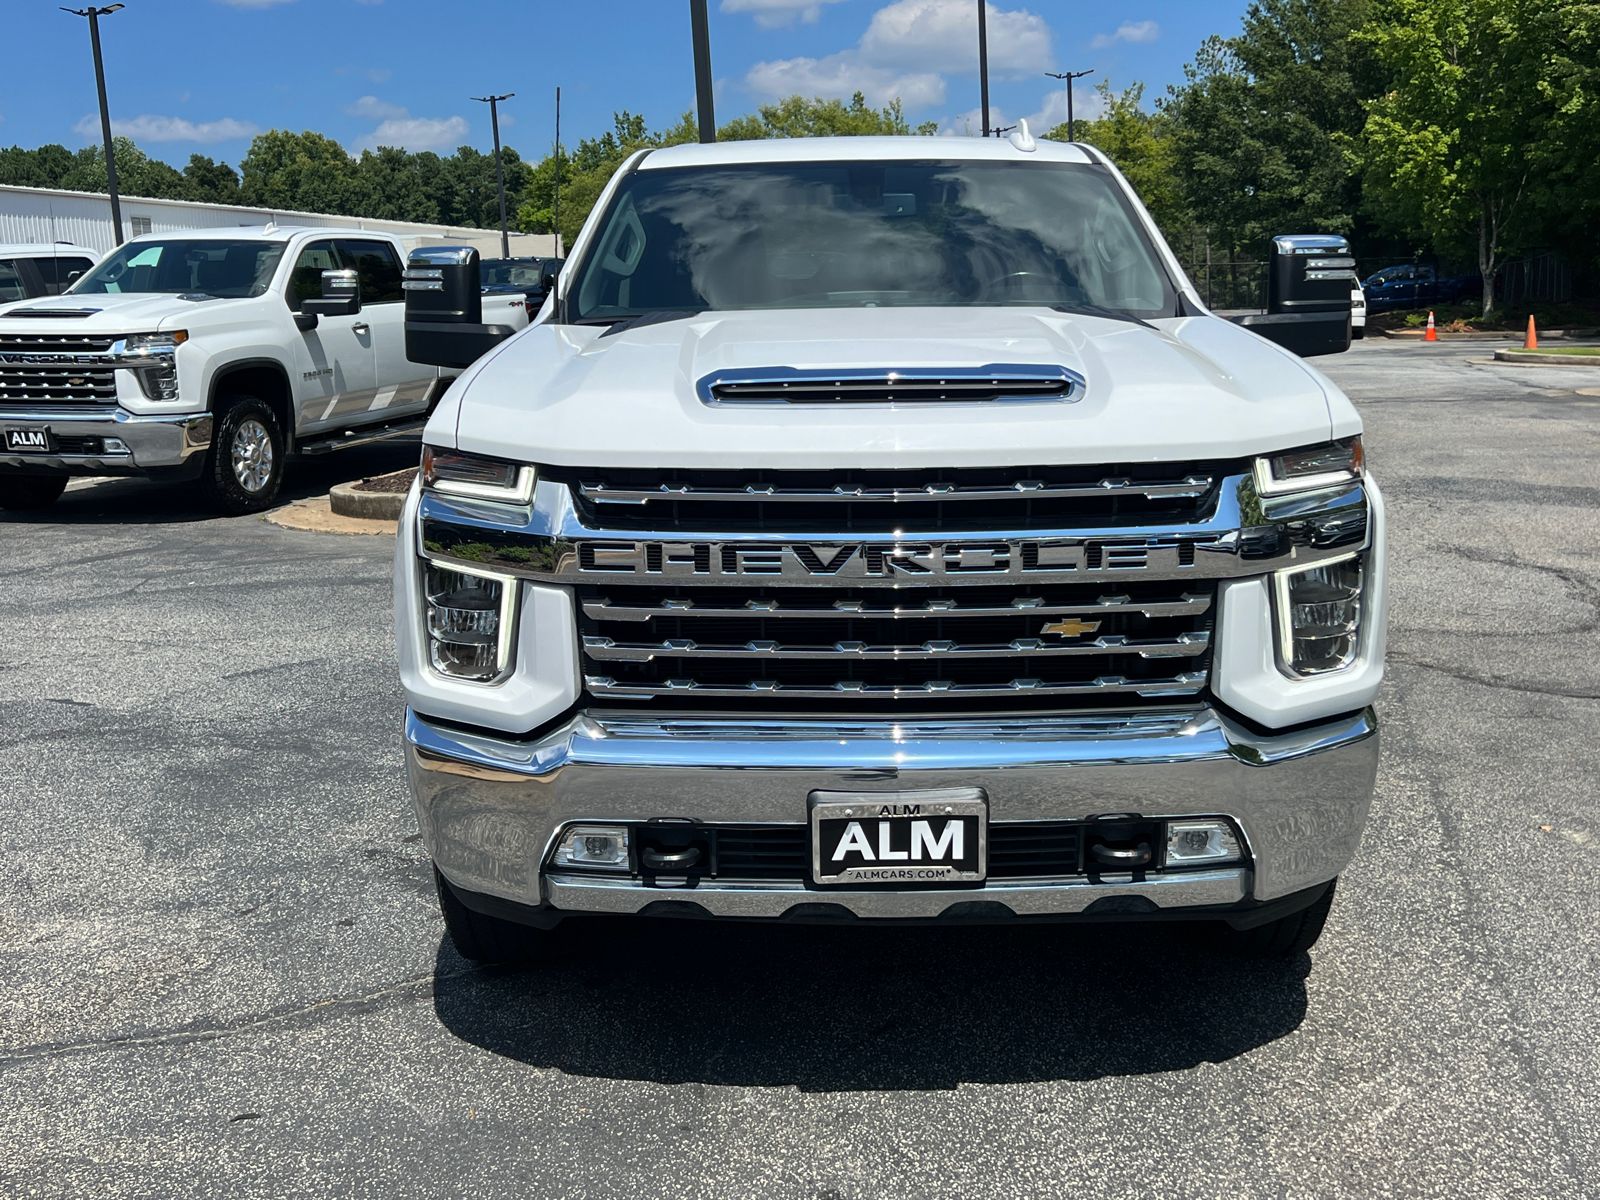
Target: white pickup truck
882, 529
211, 355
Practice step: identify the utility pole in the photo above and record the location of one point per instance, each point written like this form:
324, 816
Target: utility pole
499, 167
701, 28
983, 61
1069, 76
94, 15
555, 212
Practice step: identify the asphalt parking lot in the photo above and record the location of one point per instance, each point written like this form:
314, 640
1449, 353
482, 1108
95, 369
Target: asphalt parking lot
225, 972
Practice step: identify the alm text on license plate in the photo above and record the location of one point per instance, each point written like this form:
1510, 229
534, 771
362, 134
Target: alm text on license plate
930, 837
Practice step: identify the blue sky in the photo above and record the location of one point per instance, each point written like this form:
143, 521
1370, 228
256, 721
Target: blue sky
205, 75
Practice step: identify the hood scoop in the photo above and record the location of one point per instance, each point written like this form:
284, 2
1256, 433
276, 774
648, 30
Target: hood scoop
996, 383
48, 313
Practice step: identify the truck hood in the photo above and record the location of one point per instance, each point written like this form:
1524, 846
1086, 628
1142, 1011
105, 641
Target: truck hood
136, 312
1180, 388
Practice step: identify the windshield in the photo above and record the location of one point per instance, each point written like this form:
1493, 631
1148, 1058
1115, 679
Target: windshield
869, 234
224, 268
511, 272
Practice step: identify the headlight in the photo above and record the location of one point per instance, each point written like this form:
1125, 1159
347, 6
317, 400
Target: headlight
456, 474
1314, 467
154, 342
469, 618
1319, 616
153, 357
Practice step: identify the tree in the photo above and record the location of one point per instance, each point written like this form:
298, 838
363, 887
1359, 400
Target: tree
387, 184
304, 171
209, 181
1260, 126
1455, 146
797, 116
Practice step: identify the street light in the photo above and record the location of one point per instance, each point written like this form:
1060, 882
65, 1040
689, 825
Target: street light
1069, 76
94, 15
499, 168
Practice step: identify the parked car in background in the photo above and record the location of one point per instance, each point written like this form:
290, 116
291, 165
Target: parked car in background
525, 275
211, 355
1411, 285
1358, 310
41, 269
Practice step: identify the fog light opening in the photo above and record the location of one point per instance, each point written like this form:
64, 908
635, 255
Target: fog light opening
1192, 843
594, 847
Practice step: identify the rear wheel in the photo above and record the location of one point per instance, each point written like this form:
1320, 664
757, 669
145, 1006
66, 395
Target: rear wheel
27, 492
244, 468
482, 938
1287, 936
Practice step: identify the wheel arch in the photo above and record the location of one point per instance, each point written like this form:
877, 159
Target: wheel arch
265, 378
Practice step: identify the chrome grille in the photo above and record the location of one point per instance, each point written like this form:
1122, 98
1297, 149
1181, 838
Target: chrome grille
798, 503
923, 649
55, 343
80, 382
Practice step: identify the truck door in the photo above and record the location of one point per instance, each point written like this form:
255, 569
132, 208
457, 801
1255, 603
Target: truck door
337, 367
401, 385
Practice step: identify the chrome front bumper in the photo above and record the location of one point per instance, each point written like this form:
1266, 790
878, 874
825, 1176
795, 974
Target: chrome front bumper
152, 443
490, 807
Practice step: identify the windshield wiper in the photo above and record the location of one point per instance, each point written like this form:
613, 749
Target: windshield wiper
635, 320
1094, 310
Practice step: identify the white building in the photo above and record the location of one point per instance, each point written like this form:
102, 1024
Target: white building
84, 219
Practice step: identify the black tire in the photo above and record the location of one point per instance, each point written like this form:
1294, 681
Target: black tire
1359, 332
244, 468
1287, 937
481, 938
26, 493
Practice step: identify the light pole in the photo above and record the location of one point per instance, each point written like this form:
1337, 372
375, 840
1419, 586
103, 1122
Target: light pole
94, 15
1069, 76
700, 30
555, 214
499, 167
983, 62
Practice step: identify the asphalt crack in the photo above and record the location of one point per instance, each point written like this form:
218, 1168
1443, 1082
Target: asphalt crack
1493, 681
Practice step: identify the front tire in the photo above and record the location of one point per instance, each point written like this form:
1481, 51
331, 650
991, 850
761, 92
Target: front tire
1287, 937
244, 468
29, 493
478, 937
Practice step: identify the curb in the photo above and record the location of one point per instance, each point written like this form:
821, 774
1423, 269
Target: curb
346, 501
1525, 359
316, 516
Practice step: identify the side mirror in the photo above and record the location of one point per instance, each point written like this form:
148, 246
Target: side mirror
444, 308
547, 282
341, 296
1308, 295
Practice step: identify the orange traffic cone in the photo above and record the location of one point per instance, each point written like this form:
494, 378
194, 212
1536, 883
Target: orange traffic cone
1531, 342
1432, 335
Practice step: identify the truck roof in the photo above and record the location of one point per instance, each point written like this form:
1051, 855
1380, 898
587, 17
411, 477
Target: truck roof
44, 249
263, 232
847, 149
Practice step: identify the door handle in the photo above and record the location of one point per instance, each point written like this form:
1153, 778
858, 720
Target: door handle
361, 327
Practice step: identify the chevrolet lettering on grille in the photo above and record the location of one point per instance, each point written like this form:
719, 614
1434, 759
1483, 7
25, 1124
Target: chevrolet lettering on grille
877, 561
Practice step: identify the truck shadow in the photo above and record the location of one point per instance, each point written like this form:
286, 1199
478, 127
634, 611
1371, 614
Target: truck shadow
846, 1008
128, 500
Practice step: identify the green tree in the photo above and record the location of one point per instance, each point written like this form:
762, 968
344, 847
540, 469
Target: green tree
209, 181
45, 167
387, 184
467, 190
1261, 124
304, 171
797, 116
1455, 145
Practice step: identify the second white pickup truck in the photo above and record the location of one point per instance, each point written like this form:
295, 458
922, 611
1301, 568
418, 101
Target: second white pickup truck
212, 355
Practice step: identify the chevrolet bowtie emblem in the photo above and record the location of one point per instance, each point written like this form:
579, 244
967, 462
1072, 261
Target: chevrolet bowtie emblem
1071, 627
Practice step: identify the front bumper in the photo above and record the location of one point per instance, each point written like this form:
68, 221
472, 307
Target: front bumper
491, 806
149, 443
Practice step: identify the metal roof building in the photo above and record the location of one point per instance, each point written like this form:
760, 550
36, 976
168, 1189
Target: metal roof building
44, 215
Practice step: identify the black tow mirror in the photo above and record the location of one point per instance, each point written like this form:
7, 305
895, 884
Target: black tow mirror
444, 308
341, 296
1309, 278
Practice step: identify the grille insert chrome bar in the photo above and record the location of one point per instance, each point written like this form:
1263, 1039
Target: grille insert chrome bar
604, 649
1188, 488
1188, 604
1183, 684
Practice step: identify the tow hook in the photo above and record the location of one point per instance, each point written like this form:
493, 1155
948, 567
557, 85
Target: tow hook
669, 862
1119, 844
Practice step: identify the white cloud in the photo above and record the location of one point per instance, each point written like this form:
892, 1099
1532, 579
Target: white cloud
942, 35
375, 109
970, 123
840, 76
1136, 32
773, 14
418, 133
1087, 105
149, 127
905, 53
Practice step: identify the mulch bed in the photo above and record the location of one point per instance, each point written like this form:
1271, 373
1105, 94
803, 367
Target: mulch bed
397, 481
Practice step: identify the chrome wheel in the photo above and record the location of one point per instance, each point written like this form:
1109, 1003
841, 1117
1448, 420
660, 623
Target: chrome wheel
252, 455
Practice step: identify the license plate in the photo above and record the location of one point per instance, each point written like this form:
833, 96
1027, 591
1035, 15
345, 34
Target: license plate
35, 440
930, 837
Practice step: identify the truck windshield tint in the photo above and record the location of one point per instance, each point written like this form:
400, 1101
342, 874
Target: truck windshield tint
224, 268
869, 234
